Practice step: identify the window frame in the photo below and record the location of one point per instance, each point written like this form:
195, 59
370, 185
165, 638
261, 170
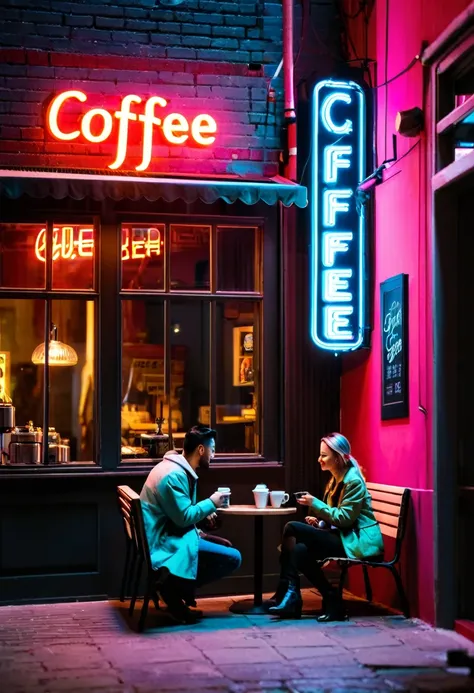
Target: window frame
107, 295
265, 448
48, 294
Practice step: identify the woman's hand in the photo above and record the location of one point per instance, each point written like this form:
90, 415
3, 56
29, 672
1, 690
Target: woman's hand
307, 499
310, 520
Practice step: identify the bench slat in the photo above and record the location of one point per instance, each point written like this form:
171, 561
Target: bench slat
389, 531
385, 488
390, 520
396, 501
386, 508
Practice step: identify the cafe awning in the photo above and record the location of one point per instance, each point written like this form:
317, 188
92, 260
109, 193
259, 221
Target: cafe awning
78, 186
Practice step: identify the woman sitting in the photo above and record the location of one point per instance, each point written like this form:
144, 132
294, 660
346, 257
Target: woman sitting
343, 525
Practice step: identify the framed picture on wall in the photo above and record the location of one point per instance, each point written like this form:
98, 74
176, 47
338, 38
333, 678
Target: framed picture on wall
243, 356
394, 330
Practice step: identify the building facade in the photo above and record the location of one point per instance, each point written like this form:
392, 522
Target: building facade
415, 54
153, 266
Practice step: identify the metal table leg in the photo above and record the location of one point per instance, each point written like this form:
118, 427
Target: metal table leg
254, 606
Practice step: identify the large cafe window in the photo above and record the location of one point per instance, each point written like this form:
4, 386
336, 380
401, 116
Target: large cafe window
47, 327
188, 315
191, 333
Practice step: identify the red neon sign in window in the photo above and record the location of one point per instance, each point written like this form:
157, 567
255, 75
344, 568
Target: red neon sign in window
71, 242
97, 124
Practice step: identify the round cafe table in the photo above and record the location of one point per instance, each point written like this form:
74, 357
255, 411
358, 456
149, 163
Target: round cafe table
254, 606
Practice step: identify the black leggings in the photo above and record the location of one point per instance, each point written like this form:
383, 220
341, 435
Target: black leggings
303, 545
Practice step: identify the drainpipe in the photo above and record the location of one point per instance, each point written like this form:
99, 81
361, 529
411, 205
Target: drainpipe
289, 91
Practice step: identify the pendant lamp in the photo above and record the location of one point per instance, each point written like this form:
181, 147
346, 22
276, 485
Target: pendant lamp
60, 354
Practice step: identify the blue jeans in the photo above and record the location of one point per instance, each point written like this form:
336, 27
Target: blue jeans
215, 562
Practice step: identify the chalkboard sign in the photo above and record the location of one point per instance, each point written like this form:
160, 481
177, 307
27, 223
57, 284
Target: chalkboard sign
394, 328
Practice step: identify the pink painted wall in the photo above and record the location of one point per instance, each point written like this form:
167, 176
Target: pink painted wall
399, 452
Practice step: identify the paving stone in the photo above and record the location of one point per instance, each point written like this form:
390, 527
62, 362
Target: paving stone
234, 639
348, 633
347, 685
257, 672
244, 656
294, 637
179, 684
349, 671
433, 681
436, 640
130, 656
396, 656
169, 672
318, 653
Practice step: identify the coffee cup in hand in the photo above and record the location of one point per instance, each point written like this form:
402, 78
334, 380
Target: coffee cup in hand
225, 493
278, 498
300, 494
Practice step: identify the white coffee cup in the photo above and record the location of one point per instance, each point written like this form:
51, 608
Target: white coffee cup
225, 490
260, 494
278, 498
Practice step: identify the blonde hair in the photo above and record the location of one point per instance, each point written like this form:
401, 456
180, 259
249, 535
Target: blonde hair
341, 446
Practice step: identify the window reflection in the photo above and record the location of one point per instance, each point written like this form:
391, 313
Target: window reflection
237, 381
21, 328
190, 257
71, 404
237, 256
73, 248
20, 266
190, 357
143, 376
143, 256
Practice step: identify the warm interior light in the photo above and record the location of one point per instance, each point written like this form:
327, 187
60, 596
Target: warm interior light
59, 354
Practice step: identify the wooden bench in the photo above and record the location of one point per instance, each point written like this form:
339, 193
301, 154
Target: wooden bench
390, 505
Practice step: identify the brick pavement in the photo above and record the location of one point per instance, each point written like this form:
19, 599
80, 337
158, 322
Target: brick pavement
92, 647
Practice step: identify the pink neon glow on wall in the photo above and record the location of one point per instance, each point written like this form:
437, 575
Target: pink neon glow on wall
400, 452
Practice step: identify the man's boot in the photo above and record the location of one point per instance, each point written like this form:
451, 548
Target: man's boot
171, 595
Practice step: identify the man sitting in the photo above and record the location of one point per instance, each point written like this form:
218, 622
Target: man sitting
182, 556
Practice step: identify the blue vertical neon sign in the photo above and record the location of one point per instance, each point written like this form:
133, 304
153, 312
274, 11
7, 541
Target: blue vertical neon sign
337, 227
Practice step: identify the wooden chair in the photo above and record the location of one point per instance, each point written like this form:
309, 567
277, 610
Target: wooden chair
390, 505
130, 506
125, 508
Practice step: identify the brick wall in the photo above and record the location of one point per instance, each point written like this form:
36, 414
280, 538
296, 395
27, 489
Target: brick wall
195, 55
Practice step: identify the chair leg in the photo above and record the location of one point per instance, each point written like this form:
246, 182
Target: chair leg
126, 569
136, 585
401, 591
156, 600
342, 579
368, 586
144, 611
132, 569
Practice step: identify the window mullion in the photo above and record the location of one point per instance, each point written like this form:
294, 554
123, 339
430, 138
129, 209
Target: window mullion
47, 333
167, 364
213, 279
212, 363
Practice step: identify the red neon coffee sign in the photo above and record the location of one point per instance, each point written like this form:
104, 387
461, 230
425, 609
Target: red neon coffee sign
96, 125
71, 242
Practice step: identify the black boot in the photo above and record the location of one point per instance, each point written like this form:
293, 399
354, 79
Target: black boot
333, 608
279, 594
170, 592
291, 604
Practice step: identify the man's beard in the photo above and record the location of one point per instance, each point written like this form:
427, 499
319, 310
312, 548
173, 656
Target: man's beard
204, 462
